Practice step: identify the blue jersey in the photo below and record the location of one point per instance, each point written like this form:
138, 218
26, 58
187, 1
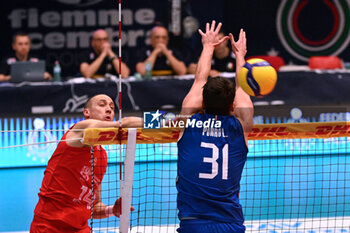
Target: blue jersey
210, 165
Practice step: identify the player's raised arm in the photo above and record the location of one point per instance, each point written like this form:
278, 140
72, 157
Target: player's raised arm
77, 132
243, 106
193, 101
127, 122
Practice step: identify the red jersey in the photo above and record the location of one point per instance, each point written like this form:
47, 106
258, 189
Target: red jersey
66, 190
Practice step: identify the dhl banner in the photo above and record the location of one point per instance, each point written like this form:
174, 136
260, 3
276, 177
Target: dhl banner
300, 130
108, 136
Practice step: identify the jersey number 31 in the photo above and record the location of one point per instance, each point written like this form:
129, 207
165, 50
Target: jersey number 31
213, 160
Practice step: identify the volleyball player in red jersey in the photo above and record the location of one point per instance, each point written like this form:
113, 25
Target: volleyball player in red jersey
65, 195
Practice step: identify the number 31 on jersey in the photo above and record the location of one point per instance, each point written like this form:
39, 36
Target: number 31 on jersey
213, 160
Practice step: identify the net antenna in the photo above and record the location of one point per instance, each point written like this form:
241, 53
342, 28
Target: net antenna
120, 58
120, 94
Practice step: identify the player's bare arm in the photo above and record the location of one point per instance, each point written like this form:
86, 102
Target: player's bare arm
193, 101
243, 106
76, 133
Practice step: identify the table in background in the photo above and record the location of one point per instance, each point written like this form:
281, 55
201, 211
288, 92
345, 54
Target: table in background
293, 88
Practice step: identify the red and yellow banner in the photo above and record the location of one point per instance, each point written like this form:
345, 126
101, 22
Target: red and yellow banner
108, 136
300, 130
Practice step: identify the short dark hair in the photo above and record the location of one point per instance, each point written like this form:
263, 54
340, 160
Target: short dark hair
218, 95
14, 37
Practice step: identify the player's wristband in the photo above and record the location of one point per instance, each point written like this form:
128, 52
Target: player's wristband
109, 211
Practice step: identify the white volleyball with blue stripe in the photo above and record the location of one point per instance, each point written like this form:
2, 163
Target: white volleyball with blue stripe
257, 77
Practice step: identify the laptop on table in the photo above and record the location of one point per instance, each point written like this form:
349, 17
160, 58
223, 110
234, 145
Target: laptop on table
27, 71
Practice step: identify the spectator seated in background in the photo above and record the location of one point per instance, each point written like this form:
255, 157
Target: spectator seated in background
21, 47
223, 59
101, 59
163, 60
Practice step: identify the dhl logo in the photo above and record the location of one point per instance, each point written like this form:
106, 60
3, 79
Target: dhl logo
283, 131
333, 130
111, 136
269, 132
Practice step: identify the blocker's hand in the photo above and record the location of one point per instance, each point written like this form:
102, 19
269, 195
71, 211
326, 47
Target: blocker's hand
210, 37
240, 46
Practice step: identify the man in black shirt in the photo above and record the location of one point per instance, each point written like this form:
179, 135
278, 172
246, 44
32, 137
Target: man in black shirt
101, 59
163, 60
21, 48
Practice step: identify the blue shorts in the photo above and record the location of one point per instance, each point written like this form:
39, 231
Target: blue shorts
209, 226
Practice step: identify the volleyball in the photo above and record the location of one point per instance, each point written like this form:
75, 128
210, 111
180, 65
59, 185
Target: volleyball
257, 77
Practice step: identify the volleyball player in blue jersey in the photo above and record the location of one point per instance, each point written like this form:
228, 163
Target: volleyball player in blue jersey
211, 160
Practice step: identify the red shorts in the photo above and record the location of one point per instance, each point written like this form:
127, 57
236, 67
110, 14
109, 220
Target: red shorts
40, 225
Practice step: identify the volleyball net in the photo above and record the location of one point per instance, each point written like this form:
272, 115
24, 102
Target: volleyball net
296, 179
